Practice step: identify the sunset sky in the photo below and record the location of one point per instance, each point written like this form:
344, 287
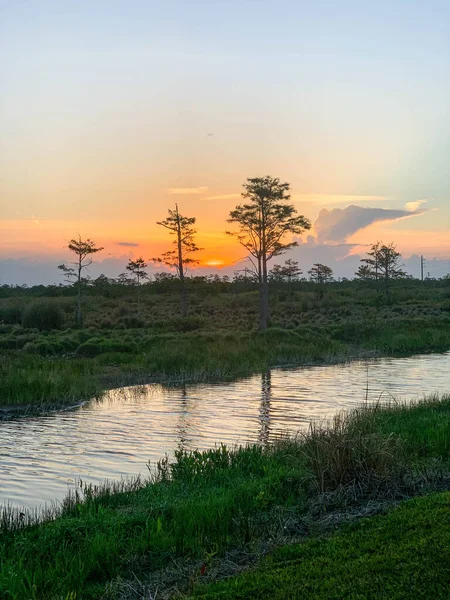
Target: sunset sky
112, 111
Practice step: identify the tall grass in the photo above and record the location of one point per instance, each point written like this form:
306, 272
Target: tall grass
351, 451
32, 381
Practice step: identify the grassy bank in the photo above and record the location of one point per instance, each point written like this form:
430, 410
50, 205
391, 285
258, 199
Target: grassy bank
44, 359
403, 555
211, 515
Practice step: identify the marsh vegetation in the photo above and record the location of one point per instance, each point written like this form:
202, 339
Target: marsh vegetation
46, 358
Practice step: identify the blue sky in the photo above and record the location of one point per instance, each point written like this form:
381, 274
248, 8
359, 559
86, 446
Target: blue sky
107, 105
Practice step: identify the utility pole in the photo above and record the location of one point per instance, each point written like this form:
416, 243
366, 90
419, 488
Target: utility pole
422, 264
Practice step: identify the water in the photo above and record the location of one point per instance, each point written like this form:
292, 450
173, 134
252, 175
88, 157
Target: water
42, 457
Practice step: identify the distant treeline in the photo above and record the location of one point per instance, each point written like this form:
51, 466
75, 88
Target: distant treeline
262, 226
210, 284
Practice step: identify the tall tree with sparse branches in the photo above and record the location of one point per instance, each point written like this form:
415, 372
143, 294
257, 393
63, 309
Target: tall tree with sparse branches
264, 221
137, 269
180, 258
83, 249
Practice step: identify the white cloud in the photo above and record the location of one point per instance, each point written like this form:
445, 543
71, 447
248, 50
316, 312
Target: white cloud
224, 197
413, 206
338, 224
337, 198
188, 191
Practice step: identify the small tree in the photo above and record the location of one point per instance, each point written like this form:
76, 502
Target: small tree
245, 275
163, 277
320, 274
103, 285
263, 223
276, 274
364, 273
372, 262
286, 273
83, 249
390, 265
383, 263
124, 279
137, 269
180, 258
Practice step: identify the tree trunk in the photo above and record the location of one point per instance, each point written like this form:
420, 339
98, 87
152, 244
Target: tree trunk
79, 315
262, 318
387, 282
138, 296
262, 323
266, 310
183, 295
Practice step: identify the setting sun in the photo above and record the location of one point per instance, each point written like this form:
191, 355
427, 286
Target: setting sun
214, 262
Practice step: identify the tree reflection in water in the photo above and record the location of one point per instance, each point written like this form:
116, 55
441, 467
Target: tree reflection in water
264, 409
184, 423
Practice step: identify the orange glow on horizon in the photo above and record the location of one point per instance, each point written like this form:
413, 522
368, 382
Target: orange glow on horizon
35, 235
214, 262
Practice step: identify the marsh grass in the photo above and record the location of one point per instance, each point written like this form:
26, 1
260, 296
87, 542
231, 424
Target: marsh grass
217, 340
351, 450
205, 509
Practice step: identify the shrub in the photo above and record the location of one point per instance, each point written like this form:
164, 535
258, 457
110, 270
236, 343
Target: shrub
11, 314
180, 324
43, 315
44, 347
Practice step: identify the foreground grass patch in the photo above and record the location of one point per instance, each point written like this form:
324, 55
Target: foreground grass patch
399, 556
210, 505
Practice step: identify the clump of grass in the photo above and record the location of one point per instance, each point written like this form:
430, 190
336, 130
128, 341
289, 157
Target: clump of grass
43, 315
347, 452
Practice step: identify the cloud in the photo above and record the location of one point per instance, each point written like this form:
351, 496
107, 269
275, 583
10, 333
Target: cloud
338, 224
337, 198
128, 244
224, 197
188, 191
414, 206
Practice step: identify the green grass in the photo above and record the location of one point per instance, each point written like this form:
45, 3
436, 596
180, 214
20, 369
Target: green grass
218, 340
399, 556
210, 506
29, 378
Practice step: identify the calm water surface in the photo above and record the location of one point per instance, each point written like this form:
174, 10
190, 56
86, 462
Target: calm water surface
41, 457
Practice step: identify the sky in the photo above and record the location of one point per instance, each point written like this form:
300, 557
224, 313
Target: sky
112, 111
